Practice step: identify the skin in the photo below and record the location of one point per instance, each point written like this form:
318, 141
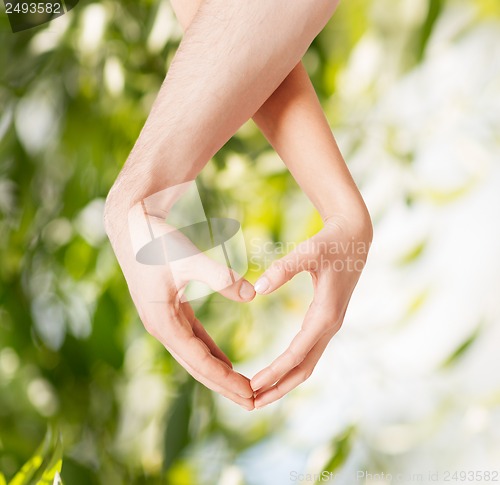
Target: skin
216, 55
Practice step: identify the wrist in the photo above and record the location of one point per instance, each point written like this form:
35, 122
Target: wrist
144, 214
352, 215
115, 214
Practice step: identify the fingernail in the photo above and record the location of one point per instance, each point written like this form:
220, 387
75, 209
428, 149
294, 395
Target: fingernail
262, 285
246, 290
246, 395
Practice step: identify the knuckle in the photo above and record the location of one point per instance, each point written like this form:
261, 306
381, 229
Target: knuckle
204, 358
283, 269
173, 308
226, 372
326, 318
336, 316
305, 373
223, 279
296, 357
151, 329
279, 267
276, 370
278, 391
329, 327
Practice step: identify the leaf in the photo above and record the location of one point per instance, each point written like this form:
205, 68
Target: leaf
434, 10
2, 479
26, 474
104, 342
51, 473
413, 254
462, 348
443, 197
44, 465
177, 429
418, 301
341, 447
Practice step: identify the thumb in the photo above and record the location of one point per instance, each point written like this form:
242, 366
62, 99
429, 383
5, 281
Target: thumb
221, 279
279, 273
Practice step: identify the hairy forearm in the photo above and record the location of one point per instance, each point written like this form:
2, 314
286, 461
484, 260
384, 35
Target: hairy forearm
232, 58
313, 157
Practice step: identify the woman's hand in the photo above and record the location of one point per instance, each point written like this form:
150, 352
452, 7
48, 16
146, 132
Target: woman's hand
335, 258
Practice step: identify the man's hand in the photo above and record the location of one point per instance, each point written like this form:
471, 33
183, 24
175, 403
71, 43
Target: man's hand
335, 258
157, 291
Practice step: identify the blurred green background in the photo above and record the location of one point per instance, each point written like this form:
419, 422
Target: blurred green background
411, 383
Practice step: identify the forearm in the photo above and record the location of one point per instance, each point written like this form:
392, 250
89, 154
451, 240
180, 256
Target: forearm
313, 158
294, 123
232, 58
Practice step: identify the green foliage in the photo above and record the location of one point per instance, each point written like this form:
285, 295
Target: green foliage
72, 348
434, 9
177, 428
413, 254
462, 349
44, 465
341, 447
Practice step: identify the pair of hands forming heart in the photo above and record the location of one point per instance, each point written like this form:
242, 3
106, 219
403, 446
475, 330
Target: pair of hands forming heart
334, 257
240, 60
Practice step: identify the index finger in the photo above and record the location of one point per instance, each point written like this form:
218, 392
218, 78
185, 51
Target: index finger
317, 322
247, 403
179, 338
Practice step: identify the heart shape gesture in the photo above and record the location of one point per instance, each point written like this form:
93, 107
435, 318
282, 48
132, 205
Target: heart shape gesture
238, 60
334, 257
